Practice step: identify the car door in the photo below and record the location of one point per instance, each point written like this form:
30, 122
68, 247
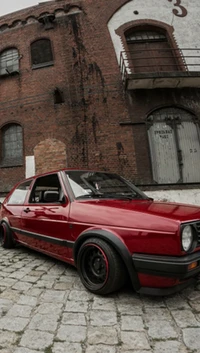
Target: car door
44, 217
12, 209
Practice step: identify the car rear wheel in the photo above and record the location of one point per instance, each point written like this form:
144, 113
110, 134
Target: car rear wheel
6, 237
100, 267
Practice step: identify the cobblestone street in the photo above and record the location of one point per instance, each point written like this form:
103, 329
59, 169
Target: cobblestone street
45, 308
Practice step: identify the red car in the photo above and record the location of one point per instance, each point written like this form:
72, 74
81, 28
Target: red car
107, 228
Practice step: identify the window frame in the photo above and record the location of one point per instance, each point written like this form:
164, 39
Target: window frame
48, 187
9, 202
44, 63
15, 68
6, 162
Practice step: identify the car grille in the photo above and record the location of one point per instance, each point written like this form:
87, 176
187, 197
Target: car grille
197, 225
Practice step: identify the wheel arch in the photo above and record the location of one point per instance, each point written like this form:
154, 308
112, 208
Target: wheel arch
117, 244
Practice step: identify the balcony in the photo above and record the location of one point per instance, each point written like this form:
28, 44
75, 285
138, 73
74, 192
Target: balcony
166, 68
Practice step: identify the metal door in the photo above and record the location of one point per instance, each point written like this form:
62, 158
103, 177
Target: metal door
164, 156
188, 135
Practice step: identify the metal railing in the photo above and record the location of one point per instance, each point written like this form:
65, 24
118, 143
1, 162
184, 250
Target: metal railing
154, 60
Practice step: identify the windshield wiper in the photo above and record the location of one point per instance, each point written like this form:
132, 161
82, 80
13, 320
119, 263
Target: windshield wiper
112, 196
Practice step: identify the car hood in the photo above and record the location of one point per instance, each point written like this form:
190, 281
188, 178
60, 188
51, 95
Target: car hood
134, 213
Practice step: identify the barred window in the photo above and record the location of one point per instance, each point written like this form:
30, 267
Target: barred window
41, 53
12, 145
9, 61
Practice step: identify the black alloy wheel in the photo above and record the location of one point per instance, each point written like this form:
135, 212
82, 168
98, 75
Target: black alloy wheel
100, 267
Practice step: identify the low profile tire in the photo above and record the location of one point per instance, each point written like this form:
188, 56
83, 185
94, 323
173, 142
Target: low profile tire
101, 269
6, 237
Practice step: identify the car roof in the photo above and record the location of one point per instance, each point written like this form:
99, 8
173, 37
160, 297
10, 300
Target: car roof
63, 170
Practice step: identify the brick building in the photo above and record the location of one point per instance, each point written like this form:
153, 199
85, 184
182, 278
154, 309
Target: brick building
102, 84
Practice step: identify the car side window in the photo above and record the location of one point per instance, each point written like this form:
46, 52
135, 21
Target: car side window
47, 189
19, 194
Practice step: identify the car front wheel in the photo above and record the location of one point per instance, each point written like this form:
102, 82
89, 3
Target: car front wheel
100, 267
6, 237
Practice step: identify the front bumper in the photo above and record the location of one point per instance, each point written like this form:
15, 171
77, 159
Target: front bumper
167, 267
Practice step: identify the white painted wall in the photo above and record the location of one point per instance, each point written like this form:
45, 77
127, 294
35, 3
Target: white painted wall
187, 29
186, 34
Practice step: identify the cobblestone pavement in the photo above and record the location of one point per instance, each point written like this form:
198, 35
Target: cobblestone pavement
45, 308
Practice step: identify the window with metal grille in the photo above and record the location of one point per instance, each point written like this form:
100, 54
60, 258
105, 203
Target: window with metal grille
174, 139
145, 36
12, 145
41, 53
9, 61
149, 50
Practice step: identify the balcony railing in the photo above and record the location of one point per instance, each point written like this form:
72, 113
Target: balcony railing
170, 67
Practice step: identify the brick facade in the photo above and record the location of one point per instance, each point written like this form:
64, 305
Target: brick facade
98, 125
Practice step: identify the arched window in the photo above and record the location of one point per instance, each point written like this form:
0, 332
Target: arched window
41, 53
150, 50
9, 61
12, 145
174, 139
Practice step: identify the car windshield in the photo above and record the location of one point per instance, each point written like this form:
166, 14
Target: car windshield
88, 184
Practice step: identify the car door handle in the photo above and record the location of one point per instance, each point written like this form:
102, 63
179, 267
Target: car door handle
27, 210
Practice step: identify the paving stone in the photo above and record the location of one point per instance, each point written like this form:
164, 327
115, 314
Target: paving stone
185, 318
169, 347
153, 302
27, 300
54, 296
129, 309
157, 314
8, 338
100, 349
191, 338
36, 339
10, 294
78, 284
102, 335
49, 308
24, 350
8, 282
132, 323
177, 302
20, 311
77, 295
63, 285
73, 319
67, 347
44, 322
68, 279
35, 292
15, 324
162, 330
103, 318
36, 273
103, 304
71, 333
76, 307
44, 284
22, 286
136, 351
31, 279
49, 278
138, 340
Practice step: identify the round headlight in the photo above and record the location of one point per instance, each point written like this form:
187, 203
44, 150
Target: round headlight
187, 237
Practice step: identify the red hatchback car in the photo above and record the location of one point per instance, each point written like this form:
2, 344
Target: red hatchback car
107, 228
